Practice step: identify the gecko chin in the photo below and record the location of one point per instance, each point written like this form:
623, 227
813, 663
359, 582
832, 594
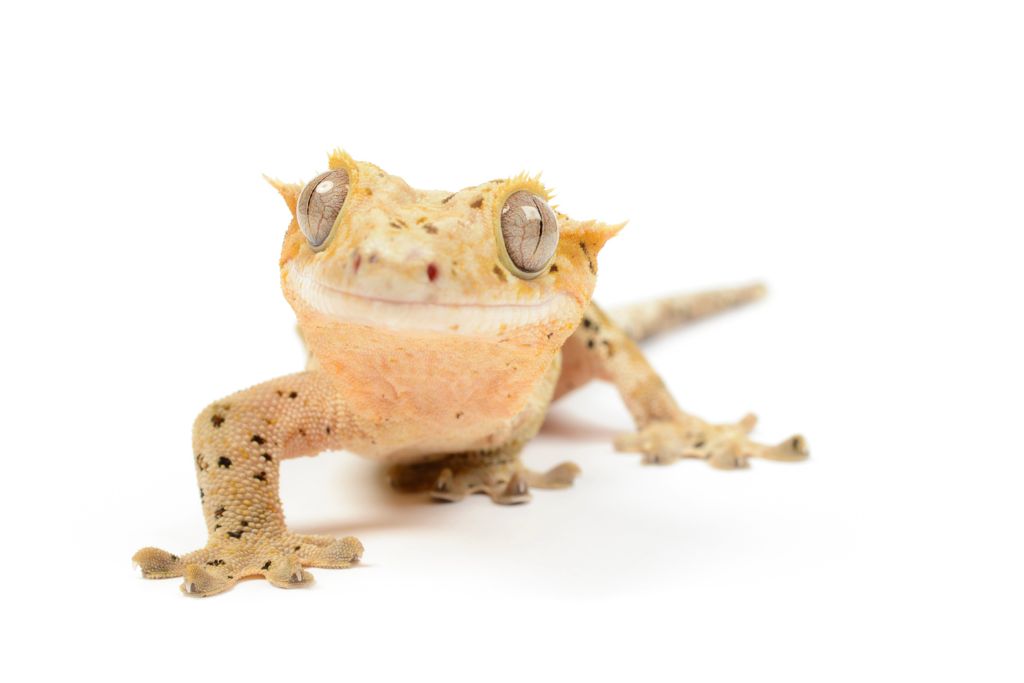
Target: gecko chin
468, 318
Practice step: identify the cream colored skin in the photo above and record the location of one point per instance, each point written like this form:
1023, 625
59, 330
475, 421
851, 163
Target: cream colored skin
429, 354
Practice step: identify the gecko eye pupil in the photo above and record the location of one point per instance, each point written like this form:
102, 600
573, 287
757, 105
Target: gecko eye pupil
319, 205
529, 233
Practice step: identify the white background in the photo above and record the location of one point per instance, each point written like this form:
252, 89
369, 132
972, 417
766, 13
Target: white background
863, 158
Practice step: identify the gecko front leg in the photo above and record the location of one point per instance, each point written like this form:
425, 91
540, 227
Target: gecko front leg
238, 445
601, 349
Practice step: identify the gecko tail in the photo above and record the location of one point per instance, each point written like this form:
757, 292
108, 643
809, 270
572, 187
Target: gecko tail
649, 318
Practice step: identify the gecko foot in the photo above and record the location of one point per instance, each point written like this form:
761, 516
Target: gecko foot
500, 476
279, 558
725, 447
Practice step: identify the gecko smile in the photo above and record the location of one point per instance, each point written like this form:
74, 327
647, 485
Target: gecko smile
411, 314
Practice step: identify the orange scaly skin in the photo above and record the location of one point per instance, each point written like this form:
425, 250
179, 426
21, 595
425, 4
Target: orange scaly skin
430, 354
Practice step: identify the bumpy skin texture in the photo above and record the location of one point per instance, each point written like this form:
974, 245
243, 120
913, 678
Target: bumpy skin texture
429, 354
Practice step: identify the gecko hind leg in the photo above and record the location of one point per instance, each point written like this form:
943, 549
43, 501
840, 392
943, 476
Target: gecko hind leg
499, 474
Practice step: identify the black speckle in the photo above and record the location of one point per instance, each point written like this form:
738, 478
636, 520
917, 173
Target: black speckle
302, 432
458, 415
216, 526
328, 429
245, 523
224, 462
293, 394
266, 566
297, 547
586, 322
262, 476
219, 512
447, 199
554, 269
268, 457
257, 439
202, 494
590, 343
217, 421
174, 558
216, 563
236, 534
590, 262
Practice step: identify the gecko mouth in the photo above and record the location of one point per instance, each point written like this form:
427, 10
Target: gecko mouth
401, 314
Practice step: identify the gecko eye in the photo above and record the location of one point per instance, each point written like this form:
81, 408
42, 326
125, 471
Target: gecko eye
529, 233
319, 205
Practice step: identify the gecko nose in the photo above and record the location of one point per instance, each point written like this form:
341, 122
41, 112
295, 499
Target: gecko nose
394, 267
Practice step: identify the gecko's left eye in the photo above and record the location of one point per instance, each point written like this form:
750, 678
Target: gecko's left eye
529, 234
319, 205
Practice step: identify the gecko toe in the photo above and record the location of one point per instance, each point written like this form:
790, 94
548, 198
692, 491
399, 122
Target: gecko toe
157, 564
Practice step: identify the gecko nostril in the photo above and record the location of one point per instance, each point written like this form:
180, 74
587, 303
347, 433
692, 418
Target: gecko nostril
358, 261
432, 272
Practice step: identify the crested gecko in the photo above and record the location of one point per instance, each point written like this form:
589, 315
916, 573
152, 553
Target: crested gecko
440, 326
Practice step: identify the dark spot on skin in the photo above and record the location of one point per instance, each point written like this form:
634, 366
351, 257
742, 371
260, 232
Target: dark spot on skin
297, 547
583, 246
500, 273
429, 227
262, 476
448, 198
217, 420
245, 523
477, 203
369, 192
358, 261
257, 439
608, 346
224, 462
202, 494
302, 432
590, 343
397, 225
458, 415
293, 394
280, 393
268, 457
236, 534
432, 271
174, 558
201, 462
550, 335
586, 322
266, 566
554, 269
219, 512
327, 429
230, 577
216, 563
216, 526
699, 444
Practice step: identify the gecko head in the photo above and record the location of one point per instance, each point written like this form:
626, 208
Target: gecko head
493, 261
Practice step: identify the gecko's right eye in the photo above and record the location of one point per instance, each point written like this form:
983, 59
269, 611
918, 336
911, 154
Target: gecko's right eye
319, 205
